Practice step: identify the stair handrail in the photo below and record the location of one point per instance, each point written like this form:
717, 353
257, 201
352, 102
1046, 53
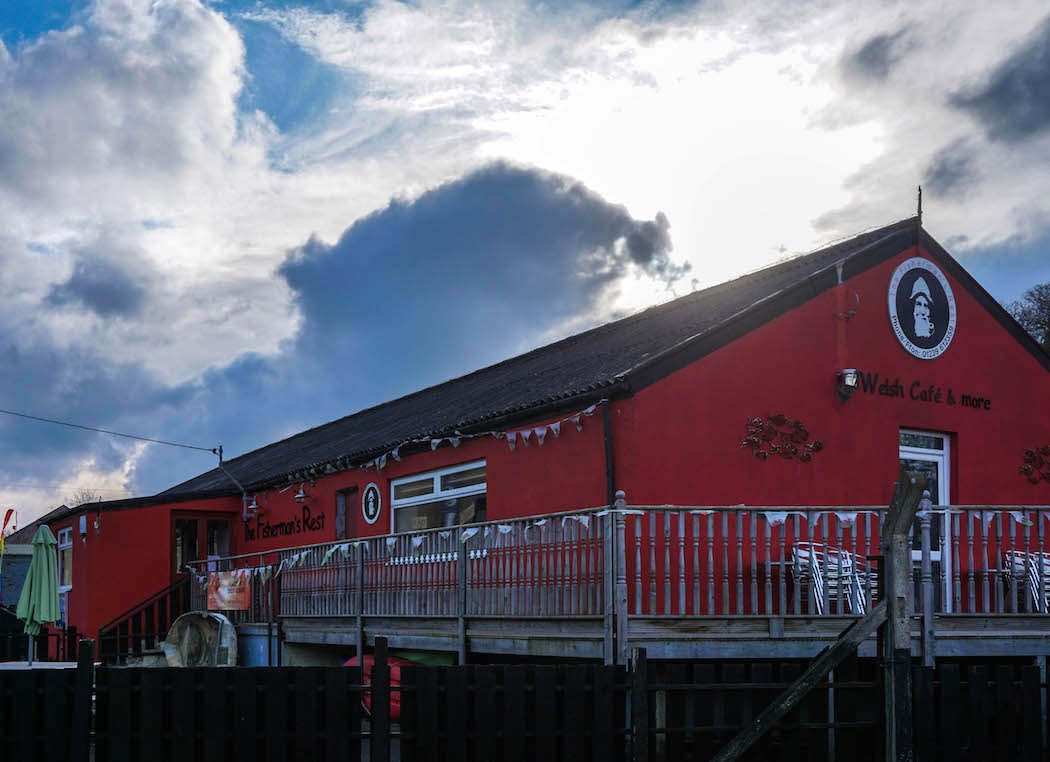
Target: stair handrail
182, 581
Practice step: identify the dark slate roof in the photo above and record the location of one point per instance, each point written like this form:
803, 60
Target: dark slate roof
608, 361
25, 535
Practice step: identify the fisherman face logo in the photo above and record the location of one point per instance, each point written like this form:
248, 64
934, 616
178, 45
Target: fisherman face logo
922, 308
371, 503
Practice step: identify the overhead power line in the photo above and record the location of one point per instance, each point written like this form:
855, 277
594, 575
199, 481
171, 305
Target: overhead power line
212, 450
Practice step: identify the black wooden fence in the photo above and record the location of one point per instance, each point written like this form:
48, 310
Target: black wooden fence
58, 645
655, 711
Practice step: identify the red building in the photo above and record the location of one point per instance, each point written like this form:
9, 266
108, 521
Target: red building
810, 383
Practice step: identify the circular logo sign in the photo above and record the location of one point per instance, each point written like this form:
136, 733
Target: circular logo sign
922, 308
371, 503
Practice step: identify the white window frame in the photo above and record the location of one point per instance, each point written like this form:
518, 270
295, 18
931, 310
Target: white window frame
438, 493
943, 459
65, 541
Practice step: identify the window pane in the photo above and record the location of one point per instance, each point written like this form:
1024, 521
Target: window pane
414, 489
925, 441
65, 567
466, 478
218, 538
441, 513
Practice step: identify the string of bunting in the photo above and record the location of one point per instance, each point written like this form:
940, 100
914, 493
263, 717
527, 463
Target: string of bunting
524, 436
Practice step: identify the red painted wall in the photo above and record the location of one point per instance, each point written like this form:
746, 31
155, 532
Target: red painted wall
678, 441
128, 559
565, 473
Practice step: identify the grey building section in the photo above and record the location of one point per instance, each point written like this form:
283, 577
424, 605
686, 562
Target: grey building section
13, 574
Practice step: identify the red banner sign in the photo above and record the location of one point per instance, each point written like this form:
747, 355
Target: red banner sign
228, 591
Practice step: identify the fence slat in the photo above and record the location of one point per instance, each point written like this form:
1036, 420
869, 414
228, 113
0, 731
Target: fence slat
574, 696
603, 725
486, 714
245, 719
547, 713
515, 713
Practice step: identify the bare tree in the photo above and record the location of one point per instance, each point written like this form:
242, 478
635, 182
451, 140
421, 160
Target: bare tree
80, 496
1032, 311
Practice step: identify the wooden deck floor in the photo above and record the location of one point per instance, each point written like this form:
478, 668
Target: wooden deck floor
741, 637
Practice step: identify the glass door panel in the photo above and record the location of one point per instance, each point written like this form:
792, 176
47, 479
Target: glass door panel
187, 548
928, 454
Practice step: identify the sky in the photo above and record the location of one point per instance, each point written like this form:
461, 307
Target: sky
226, 221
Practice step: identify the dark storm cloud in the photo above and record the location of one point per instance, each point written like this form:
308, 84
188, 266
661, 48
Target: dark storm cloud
1013, 103
72, 385
876, 58
952, 170
470, 273
102, 287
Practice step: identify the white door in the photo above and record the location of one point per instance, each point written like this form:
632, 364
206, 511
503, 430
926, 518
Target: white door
930, 453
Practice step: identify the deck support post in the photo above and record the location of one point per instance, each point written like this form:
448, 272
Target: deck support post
639, 708
1040, 662
83, 685
928, 636
620, 559
896, 550
461, 600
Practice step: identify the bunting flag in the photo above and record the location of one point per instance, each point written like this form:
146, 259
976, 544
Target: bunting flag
556, 429
445, 534
776, 518
987, 516
455, 441
525, 436
487, 532
435, 443
698, 512
382, 462
417, 541
512, 440
541, 523
505, 528
846, 518
391, 542
541, 434
396, 453
576, 420
468, 533
344, 548
1021, 517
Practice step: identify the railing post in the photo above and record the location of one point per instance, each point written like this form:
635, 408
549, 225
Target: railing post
461, 599
359, 626
927, 582
620, 556
609, 584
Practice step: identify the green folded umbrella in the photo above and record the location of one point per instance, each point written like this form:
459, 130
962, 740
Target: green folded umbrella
38, 604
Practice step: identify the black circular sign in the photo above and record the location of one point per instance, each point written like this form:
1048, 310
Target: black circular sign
371, 503
922, 308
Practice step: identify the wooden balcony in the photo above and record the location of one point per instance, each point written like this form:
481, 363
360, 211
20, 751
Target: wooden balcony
681, 581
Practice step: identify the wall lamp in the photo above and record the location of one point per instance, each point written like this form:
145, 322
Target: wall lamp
847, 383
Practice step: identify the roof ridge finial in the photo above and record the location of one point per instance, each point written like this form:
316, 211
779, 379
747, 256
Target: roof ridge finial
920, 207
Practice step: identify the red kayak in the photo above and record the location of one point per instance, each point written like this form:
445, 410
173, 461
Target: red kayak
395, 663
